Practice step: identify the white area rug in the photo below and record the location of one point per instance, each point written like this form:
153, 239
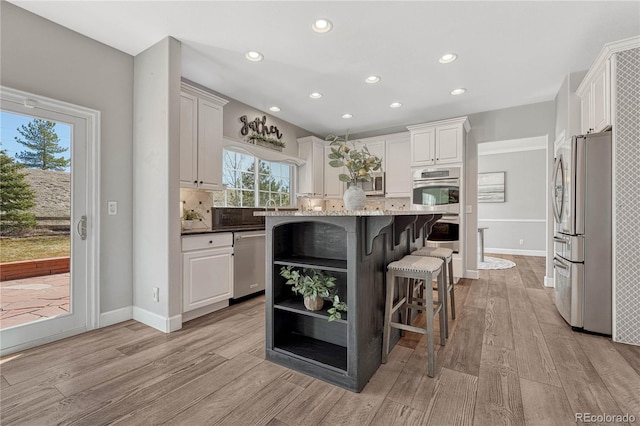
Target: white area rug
495, 263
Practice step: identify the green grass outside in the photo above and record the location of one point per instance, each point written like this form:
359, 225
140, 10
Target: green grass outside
29, 248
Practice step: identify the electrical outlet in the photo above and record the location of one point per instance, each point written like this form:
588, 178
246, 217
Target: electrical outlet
521, 241
156, 294
112, 207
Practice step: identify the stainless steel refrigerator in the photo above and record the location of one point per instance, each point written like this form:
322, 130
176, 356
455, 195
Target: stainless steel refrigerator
582, 199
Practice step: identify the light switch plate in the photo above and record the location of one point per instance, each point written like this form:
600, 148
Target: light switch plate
112, 207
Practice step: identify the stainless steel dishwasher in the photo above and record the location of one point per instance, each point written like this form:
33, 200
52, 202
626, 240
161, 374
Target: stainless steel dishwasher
248, 263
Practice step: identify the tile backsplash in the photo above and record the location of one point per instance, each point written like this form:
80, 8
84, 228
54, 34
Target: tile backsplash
199, 201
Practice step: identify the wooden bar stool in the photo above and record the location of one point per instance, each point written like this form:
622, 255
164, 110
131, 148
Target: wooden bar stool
415, 268
446, 255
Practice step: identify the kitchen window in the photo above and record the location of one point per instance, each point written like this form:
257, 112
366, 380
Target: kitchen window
246, 188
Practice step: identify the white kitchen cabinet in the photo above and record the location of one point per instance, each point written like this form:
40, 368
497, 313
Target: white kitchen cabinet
440, 142
333, 186
311, 174
207, 270
595, 98
398, 167
201, 118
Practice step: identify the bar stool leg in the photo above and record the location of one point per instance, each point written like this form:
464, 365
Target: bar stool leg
429, 313
386, 331
453, 299
444, 318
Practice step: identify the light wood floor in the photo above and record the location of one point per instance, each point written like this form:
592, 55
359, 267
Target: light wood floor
510, 359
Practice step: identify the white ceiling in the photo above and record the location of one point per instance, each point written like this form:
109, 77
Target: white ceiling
510, 53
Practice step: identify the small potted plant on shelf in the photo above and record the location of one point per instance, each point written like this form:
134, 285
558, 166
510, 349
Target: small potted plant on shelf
359, 164
314, 286
188, 216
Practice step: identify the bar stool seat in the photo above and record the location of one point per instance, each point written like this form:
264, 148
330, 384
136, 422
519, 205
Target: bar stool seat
424, 269
447, 256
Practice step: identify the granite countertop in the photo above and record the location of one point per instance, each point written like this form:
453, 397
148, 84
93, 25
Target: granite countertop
215, 231
348, 213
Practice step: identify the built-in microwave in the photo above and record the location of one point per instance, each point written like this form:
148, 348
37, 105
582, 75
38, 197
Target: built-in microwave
375, 186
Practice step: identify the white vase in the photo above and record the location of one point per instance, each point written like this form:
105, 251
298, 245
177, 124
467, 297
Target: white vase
354, 198
187, 224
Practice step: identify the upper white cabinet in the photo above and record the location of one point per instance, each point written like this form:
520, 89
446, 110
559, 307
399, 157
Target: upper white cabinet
333, 186
397, 167
311, 174
595, 98
201, 117
440, 142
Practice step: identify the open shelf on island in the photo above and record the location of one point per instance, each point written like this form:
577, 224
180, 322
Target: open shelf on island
311, 349
297, 306
337, 265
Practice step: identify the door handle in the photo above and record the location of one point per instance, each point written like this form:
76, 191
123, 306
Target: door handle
559, 264
81, 227
559, 240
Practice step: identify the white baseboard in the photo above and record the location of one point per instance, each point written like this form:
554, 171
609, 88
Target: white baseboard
548, 282
539, 253
164, 324
115, 316
474, 275
188, 316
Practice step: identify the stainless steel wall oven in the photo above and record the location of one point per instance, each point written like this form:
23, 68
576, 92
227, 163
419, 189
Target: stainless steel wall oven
439, 189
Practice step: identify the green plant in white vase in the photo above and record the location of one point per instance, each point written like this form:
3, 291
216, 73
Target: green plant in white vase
358, 162
314, 286
188, 216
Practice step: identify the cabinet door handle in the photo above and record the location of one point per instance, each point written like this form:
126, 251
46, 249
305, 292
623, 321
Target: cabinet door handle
195, 181
200, 182
210, 242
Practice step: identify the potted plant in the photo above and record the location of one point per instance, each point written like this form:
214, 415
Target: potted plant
188, 216
314, 286
359, 164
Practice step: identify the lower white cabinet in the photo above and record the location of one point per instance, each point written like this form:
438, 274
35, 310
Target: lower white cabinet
207, 270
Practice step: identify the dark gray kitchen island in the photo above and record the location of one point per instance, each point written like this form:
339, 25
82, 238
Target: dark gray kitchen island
354, 247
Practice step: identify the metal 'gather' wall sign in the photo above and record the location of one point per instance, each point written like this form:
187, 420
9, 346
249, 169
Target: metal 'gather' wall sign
257, 132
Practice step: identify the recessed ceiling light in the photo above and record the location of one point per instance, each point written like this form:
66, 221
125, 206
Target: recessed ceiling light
274, 108
254, 56
322, 26
372, 79
347, 115
395, 105
315, 95
459, 91
448, 57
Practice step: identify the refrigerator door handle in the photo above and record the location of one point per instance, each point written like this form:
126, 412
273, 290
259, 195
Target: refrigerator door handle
560, 240
559, 264
558, 190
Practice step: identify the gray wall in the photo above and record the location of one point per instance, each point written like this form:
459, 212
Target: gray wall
47, 59
507, 124
525, 198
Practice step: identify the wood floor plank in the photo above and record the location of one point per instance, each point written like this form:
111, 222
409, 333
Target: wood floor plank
265, 404
413, 388
630, 353
545, 405
583, 386
392, 413
498, 331
241, 344
463, 350
361, 408
312, 405
199, 340
3, 383
621, 379
499, 401
146, 394
226, 399
14, 408
544, 308
532, 353
171, 404
478, 289
454, 399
